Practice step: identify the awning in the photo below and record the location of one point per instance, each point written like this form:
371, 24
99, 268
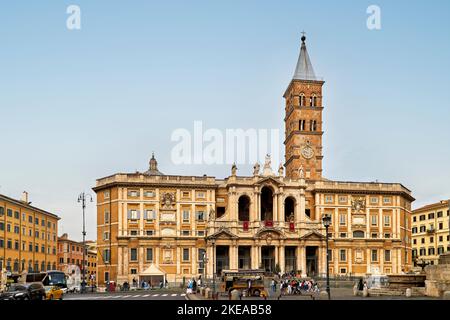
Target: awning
152, 270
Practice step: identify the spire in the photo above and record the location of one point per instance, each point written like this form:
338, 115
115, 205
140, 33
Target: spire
304, 69
153, 168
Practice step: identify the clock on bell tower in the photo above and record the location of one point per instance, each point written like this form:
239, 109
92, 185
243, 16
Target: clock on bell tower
303, 121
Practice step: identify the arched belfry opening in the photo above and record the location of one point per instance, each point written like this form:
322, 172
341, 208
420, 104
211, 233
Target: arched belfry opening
244, 208
289, 209
266, 204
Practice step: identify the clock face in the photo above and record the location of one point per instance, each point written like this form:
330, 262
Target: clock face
307, 152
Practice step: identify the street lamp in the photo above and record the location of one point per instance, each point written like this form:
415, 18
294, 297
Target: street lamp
82, 198
326, 219
213, 242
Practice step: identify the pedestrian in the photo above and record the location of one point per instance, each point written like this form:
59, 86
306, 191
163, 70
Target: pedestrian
360, 284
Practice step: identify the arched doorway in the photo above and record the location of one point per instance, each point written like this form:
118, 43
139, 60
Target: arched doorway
266, 204
244, 208
289, 209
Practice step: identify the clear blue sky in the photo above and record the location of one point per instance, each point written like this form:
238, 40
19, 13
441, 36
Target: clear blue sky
80, 105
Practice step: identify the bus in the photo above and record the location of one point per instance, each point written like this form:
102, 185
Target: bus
49, 278
252, 281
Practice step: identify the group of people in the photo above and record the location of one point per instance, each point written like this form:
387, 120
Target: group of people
192, 286
290, 285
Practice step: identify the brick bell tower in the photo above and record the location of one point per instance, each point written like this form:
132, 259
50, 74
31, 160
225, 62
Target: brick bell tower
303, 121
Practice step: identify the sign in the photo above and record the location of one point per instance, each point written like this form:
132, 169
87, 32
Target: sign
245, 225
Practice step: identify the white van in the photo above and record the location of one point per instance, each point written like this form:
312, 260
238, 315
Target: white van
377, 281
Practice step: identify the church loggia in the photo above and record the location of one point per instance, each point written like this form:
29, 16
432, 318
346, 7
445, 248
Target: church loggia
183, 226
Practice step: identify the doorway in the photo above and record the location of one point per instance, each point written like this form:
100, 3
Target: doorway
311, 261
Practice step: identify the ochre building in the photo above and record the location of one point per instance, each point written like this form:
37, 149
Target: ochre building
28, 236
430, 232
190, 226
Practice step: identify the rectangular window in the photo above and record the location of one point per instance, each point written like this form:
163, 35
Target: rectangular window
8, 228
441, 226
201, 194
342, 199
414, 219
343, 270
150, 215
200, 216
2, 226
439, 214
328, 199
16, 215
374, 255
387, 255
107, 216
133, 254
133, 214
149, 232
330, 255
201, 233
422, 217
149, 194
185, 254
342, 219
186, 215
373, 200
43, 223
133, 232
2, 211
431, 215
343, 235
30, 219
133, 193
185, 194
9, 213
16, 245
387, 200
387, 221
106, 235
16, 229
106, 255
185, 233
106, 194
2, 243
343, 255
374, 235
374, 220
441, 238
149, 254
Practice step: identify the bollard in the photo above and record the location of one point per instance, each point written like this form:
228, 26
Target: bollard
408, 293
365, 292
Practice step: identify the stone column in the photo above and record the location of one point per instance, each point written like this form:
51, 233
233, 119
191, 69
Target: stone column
210, 266
369, 260
275, 206
125, 219
156, 258
178, 260
120, 261
350, 260
233, 249
380, 223
277, 261
349, 222
281, 252
141, 259
194, 261
300, 216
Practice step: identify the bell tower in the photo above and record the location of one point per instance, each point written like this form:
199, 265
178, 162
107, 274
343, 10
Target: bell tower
303, 121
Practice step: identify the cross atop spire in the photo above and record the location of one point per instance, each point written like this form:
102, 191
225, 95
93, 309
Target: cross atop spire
304, 69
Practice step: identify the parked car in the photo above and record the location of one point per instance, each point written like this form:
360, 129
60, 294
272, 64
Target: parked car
53, 293
27, 291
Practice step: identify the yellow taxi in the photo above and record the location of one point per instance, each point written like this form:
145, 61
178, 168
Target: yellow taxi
53, 293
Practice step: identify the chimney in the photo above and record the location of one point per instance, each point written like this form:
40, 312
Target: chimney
25, 197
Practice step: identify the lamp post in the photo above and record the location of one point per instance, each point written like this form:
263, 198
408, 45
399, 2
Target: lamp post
213, 242
82, 198
326, 219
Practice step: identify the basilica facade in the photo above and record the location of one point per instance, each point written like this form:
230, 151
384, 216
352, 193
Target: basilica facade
150, 223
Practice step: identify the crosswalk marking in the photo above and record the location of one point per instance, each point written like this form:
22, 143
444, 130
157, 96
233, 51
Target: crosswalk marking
126, 296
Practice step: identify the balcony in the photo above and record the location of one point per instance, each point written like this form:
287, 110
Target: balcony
431, 230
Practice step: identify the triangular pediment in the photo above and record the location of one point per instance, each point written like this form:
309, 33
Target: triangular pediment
313, 235
274, 232
270, 180
223, 233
